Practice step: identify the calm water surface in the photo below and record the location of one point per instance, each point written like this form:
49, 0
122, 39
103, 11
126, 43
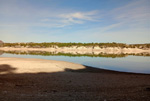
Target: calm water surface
136, 64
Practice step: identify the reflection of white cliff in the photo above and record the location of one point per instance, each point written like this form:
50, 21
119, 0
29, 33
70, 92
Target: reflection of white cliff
1, 52
83, 50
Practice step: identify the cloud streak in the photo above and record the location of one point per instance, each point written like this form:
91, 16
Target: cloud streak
133, 15
71, 18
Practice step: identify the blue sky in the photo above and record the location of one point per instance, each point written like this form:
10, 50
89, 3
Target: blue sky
123, 21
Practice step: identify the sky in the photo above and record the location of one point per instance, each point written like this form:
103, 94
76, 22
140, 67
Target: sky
121, 21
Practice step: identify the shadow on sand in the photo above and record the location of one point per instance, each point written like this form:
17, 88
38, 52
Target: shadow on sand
6, 69
89, 84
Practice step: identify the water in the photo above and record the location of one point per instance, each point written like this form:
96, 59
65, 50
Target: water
127, 63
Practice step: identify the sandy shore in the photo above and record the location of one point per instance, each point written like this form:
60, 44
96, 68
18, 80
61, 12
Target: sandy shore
47, 80
23, 65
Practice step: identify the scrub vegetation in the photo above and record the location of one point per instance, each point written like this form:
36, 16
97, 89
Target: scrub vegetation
57, 44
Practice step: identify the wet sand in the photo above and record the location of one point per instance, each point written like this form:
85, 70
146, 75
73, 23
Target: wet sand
47, 80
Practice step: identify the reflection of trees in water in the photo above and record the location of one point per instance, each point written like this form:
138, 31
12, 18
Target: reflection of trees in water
55, 53
1, 52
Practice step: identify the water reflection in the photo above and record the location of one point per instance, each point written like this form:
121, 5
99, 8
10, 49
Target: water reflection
1, 52
72, 54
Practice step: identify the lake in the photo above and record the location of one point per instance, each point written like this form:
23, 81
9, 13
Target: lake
118, 62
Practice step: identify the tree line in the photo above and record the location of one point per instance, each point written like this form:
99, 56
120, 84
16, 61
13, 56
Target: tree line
57, 44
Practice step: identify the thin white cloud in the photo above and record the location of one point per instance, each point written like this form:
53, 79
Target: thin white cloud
133, 15
68, 18
81, 15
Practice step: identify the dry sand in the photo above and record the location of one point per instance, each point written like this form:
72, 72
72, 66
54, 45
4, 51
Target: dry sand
23, 65
47, 80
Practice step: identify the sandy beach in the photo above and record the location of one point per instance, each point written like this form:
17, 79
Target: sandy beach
48, 80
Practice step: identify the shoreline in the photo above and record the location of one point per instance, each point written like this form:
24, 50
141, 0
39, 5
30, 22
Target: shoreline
34, 79
36, 65
109, 50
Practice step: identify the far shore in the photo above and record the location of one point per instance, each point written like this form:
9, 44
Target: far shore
109, 50
23, 79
